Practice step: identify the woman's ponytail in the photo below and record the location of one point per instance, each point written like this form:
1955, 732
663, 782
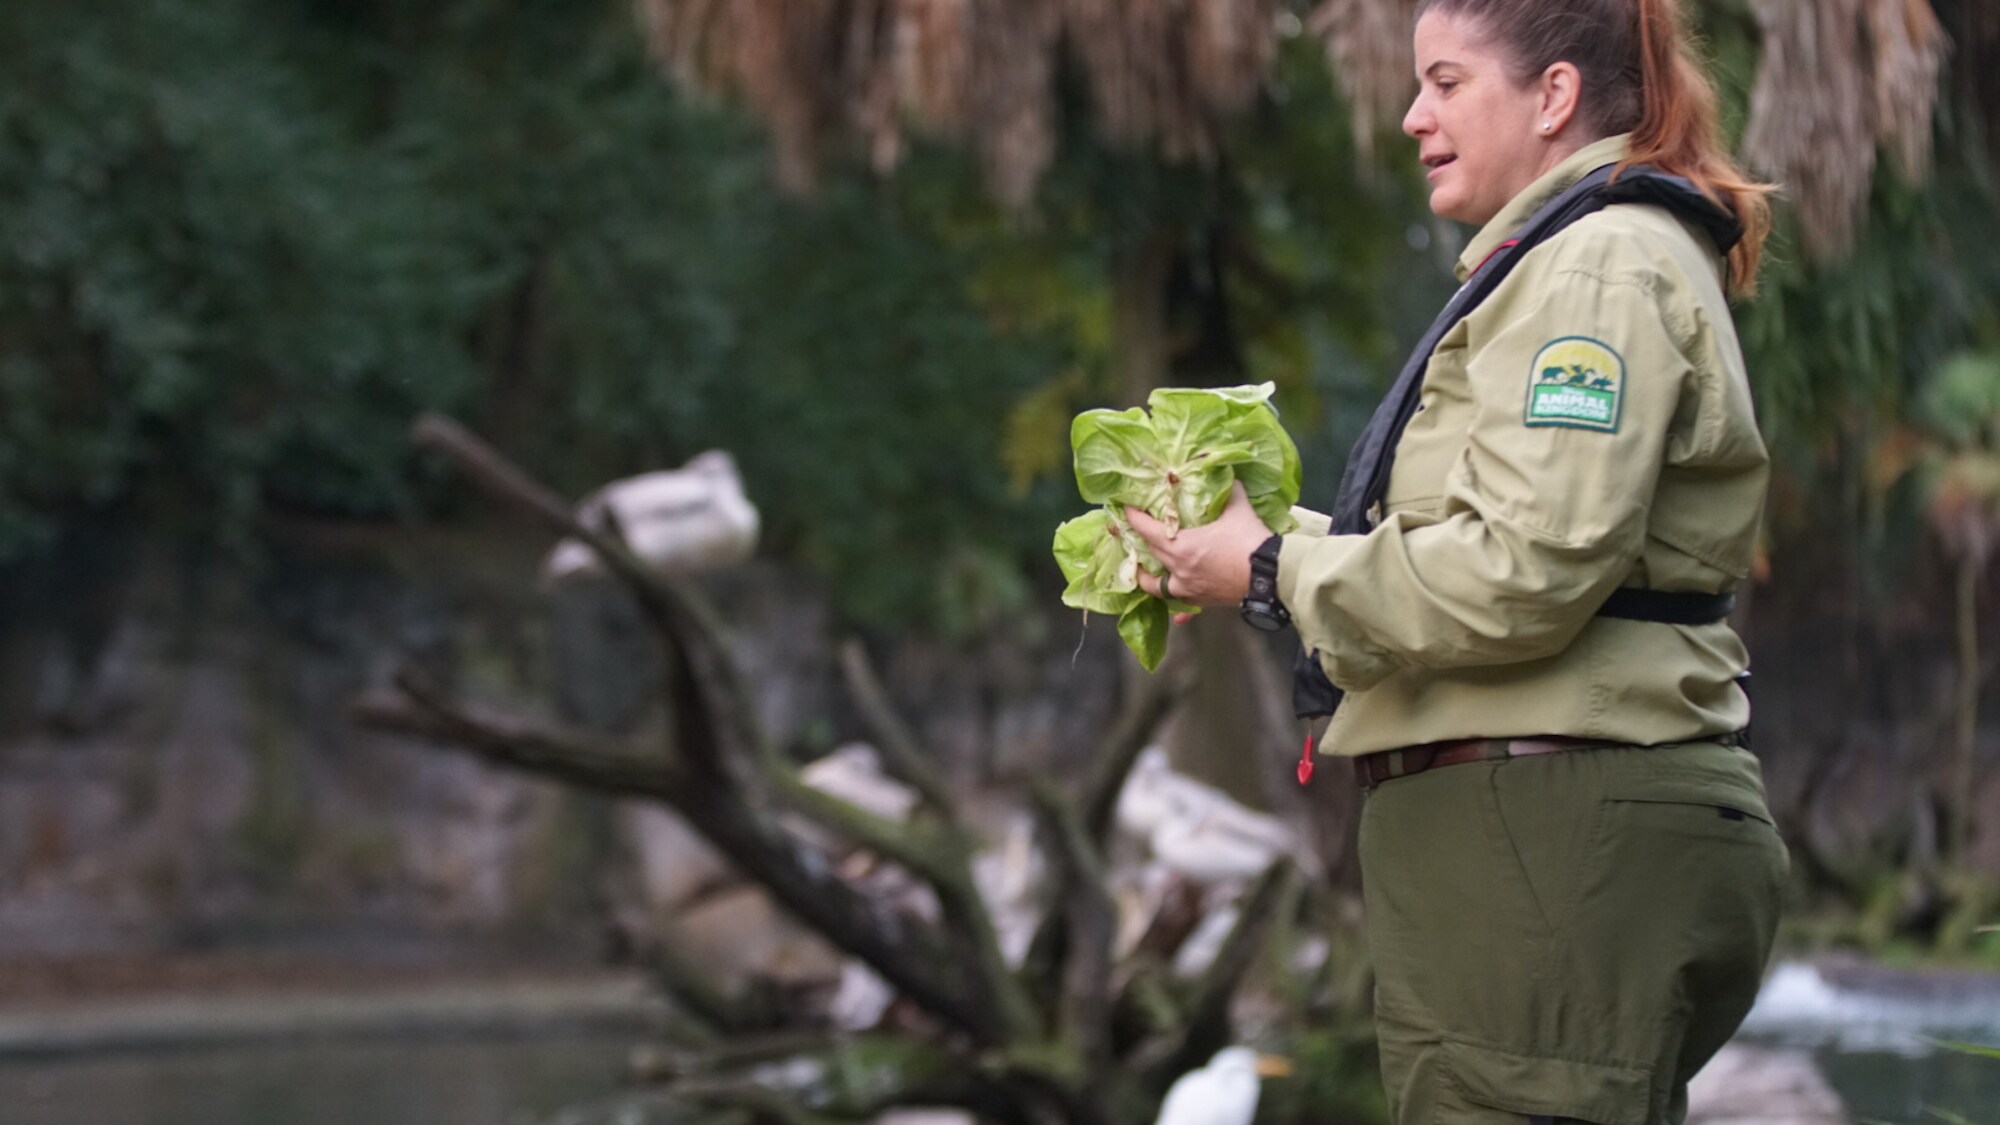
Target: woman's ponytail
1679, 131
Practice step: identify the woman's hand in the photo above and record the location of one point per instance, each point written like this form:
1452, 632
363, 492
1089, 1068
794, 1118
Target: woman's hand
1206, 565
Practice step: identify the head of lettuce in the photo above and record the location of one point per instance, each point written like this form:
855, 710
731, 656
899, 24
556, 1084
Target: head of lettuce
1176, 460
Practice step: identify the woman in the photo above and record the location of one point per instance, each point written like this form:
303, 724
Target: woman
1570, 872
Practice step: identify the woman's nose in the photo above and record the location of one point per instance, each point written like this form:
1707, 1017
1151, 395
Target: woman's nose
1418, 121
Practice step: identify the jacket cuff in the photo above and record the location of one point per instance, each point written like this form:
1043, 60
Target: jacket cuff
1349, 661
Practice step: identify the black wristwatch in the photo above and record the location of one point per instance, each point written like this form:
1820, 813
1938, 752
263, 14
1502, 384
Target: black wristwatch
1261, 607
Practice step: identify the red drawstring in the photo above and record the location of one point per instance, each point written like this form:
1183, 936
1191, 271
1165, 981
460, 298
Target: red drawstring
1495, 250
1306, 757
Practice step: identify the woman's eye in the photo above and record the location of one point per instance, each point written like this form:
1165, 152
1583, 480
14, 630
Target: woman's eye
1446, 87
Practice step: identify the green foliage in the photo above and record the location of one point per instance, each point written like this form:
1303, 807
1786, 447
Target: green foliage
201, 281
1962, 403
246, 245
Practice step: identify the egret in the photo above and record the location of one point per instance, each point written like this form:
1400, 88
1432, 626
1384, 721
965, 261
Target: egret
861, 999
1222, 1093
681, 521
1010, 878
1196, 829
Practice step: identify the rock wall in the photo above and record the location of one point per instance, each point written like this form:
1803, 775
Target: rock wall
176, 764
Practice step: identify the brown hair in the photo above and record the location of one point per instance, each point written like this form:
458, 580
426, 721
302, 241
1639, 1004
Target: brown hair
1639, 77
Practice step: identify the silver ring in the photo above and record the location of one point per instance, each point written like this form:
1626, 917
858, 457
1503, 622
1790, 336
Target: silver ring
1164, 579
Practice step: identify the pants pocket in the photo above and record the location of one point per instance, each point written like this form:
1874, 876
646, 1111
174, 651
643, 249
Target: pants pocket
1489, 1079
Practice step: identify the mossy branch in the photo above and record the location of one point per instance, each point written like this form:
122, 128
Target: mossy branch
1205, 1028
721, 764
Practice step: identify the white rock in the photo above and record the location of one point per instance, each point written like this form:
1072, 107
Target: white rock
1753, 1086
854, 774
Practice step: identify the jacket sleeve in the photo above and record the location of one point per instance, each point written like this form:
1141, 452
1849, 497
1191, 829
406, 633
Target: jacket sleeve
1575, 381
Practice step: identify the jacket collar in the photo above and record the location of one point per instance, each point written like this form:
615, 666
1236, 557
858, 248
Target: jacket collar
1519, 209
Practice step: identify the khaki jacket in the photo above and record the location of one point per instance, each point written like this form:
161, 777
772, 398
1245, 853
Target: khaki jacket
1588, 426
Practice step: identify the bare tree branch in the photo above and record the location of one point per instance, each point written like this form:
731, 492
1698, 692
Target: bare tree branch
701, 996
1207, 1024
965, 912
722, 762
900, 752
670, 603
518, 742
1091, 922
1146, 706
905, 951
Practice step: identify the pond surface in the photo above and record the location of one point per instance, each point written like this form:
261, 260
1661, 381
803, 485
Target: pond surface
392, 1081
1875, 1033
1905, 1089
1873, 1042
529, 1081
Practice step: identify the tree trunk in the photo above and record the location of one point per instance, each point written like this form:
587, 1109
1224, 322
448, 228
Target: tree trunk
1966, 718
1139, 277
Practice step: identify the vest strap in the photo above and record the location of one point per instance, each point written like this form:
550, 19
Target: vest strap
1365, 480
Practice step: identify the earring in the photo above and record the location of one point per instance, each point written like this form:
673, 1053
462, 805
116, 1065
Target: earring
1545, 126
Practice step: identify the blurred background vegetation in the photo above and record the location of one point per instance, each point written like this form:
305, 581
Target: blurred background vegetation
245, 242
882, 255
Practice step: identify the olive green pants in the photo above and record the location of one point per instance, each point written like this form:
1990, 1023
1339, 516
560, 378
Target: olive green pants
1567, 935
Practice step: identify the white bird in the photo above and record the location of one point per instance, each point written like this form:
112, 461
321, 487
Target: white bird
861, 1000
1153, 792
854, 774
1202, 946
683, 520
1215, 848
1196, 829
1222, 1093
1010, 878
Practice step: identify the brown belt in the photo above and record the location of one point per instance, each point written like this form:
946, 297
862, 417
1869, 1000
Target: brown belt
1383, 765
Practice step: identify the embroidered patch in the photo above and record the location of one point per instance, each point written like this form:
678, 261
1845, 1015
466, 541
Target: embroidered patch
1576, 381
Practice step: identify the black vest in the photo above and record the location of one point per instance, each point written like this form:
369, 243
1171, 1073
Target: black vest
1365, 481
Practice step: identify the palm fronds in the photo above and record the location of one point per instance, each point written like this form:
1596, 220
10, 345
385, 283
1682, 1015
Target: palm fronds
824, 72
1840, 80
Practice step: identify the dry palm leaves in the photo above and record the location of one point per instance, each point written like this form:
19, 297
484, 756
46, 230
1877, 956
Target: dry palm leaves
1368, 44
1840, 79
1160, 72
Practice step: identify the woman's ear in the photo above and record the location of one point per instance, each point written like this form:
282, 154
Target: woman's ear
1561, 87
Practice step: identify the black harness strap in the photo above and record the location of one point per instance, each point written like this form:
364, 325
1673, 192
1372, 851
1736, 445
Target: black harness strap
1365, 481
1668, 607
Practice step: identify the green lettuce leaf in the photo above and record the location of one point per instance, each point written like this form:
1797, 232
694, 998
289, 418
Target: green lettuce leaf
1100, 569
1176, 460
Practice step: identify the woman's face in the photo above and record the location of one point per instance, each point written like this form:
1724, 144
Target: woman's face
1478, 133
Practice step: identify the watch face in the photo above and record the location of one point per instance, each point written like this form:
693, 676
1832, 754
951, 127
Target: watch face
1259, 616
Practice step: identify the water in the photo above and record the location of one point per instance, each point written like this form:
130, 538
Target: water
1876, 1035
1875, 1044
1902, 1088
493, 1081
555, 1081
